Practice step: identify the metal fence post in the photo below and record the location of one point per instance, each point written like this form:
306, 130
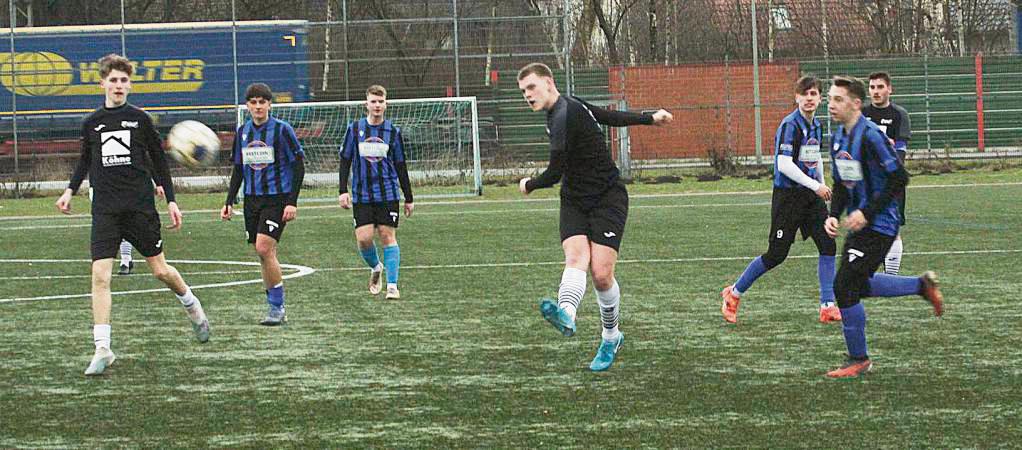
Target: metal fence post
14, 88
457, 65
755, 88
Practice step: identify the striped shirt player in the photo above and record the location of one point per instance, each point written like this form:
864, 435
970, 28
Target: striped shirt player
269, 160
798, 203
373, 156
867, 179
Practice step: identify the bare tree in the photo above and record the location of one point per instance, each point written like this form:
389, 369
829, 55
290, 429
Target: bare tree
611, 27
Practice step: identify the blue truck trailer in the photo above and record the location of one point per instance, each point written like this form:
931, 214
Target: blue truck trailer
182, 70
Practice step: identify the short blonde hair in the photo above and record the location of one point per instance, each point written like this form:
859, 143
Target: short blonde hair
376, 90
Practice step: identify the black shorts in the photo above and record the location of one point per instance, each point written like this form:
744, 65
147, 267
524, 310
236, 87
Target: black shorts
863, 253
901, 196
901, 205
603, 222
140, 228
797, 209
264, 214
386, 213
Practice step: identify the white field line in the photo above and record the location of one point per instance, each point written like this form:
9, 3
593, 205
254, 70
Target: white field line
301, 271
134, 275
662, 260
347, 218
547, 199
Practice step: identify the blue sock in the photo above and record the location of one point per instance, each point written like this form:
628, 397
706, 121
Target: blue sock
275, 296
825, 270
853, 323
883, 285
755, 270
392, 261
370, 257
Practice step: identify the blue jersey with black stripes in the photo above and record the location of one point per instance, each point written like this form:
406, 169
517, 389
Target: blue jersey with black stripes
801, 140
373, 150
863, 160
266, 153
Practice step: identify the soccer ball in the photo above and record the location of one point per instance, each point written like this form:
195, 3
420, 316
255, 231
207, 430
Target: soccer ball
193, 144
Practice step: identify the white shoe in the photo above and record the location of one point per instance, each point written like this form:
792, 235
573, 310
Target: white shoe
392, 293
100, 361
375, 281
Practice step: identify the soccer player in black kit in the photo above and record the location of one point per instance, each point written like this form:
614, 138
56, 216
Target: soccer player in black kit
594, 202
893, 120
122, 155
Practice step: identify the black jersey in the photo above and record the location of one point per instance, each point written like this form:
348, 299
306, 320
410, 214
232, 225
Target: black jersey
122, 155
893, 121
578, 149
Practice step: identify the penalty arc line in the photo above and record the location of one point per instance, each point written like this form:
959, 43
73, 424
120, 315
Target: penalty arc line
301, 272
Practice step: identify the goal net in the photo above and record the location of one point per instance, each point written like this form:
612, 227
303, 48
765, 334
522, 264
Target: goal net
441, 140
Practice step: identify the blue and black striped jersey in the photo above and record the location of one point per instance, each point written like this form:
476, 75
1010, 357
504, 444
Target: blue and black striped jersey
265, 154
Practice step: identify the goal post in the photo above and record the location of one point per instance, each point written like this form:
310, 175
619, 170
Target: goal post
441, 140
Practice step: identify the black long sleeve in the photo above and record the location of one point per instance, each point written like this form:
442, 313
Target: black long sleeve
342, 176
84, 162
617, 118
557, 126
896, 184
402, 177
838, 199
161, 170
232, 189
297, 177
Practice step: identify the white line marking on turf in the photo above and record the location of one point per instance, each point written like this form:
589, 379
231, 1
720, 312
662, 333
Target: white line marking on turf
639, 261
425, 213
134, 275
545, 199
301, 272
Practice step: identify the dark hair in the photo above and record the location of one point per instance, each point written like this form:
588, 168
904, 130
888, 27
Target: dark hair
112, 62
880, 76
853, 85
806, 83
258, 90
376, 90
539, 69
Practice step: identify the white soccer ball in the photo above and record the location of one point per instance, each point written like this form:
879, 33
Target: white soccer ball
193, 144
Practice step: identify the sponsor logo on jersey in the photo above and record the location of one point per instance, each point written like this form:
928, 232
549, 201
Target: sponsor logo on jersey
116, 148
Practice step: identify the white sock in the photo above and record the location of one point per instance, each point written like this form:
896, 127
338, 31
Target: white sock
125, 252
192, 306
736, 292
391, 286
378, 268
573, 287
610, 310
101, 335
892, 263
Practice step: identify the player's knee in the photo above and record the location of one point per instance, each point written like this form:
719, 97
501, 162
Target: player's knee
265, 248
163, 273
846, 289
101, 279
776, 254
827, 247
603, 278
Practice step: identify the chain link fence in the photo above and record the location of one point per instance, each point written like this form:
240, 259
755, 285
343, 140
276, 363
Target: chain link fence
726, 76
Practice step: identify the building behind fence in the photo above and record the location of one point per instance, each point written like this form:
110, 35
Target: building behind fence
955, 65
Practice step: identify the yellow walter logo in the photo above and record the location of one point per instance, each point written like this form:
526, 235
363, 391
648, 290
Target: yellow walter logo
42, 74
36, 73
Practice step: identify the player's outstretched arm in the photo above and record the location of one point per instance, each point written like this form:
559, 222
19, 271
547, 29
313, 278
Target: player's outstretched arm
626, 118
